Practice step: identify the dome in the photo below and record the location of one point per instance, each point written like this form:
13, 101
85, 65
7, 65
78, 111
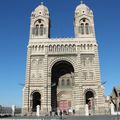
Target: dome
83, 9
41, 10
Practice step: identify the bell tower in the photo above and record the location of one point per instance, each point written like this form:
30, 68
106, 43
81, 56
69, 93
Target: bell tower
83, 21
40, 22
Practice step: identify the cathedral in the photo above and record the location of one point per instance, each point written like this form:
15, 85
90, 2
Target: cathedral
63, 73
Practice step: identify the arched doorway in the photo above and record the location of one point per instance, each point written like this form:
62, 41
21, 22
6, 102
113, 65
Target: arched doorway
89, 100
36, 99
62, 77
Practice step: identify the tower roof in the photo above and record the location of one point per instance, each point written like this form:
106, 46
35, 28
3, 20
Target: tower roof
83, 9
41, 10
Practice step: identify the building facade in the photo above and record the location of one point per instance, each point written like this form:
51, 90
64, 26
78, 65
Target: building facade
63, 73
115, 98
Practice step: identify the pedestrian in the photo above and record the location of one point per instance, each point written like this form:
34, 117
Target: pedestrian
50, 113
60, 114
73, 111
55, 114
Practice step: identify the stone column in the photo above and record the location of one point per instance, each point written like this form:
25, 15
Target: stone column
47, 78
76, 85
49, 91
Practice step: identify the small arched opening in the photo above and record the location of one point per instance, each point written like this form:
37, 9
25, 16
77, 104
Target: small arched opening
41, 30
89, 99
36, 100
87, 28
82, 28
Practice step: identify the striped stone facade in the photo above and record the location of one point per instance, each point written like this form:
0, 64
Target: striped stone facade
63, 73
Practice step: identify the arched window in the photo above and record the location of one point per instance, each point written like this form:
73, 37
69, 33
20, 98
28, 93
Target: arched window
82, 28
62, 82
50, 48
68, 82
87, 28
36, 30
41, 29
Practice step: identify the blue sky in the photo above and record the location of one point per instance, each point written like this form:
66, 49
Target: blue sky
14, 36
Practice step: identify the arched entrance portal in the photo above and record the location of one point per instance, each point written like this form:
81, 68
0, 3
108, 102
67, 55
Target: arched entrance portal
36, 99
90, 100
63, 78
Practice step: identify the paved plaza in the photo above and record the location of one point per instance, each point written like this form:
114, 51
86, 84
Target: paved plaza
105, 117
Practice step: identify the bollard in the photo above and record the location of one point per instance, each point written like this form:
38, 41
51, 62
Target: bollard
38, 110
112, 109
13, 110
86, 110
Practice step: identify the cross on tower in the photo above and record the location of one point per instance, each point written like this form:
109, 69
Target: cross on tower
81, 1
41, 3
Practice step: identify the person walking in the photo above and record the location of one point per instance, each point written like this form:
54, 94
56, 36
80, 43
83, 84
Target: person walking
73, 111
60, 114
